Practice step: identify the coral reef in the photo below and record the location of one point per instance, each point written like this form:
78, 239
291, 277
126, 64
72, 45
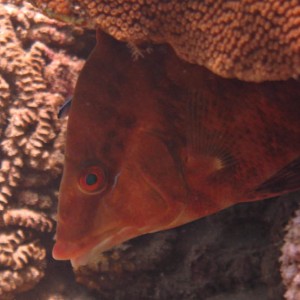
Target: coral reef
290, 259
252, 40
22, 261
231, 255
36, 75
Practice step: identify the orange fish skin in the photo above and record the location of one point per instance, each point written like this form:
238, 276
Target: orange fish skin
174, 142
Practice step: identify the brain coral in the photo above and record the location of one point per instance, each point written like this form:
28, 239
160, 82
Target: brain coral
35, 78
252, 40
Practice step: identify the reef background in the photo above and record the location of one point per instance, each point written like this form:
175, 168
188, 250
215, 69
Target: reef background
233, 255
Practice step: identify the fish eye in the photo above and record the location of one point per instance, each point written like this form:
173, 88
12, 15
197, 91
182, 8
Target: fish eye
92, 179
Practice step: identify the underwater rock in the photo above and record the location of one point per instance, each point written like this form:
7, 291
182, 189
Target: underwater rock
36, 75
230, 255
252, 40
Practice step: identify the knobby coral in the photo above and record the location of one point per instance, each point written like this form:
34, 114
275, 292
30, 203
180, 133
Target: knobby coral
249, 39
290, 259
36, 75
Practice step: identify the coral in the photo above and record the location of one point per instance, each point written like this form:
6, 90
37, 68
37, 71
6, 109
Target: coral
27, 218
22, 261
252, 40
290, 259
36, 76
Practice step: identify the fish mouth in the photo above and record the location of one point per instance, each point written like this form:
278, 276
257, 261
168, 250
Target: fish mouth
88, 252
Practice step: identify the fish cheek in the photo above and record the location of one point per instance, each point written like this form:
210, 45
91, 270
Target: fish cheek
134, 201
76, 211
159, 185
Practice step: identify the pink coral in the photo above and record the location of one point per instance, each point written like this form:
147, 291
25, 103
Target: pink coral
290, 259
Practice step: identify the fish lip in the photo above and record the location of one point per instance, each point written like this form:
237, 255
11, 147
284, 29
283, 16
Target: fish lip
64, 250
90, 256
90, 252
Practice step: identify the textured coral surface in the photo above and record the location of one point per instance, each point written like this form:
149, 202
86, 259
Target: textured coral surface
36, 75
290, 259
249, 39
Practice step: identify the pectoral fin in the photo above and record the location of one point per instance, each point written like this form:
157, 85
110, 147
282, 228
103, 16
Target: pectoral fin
208, 143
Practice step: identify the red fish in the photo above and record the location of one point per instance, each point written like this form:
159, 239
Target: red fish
158, 142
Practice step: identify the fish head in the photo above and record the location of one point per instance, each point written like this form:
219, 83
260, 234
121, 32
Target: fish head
119, 178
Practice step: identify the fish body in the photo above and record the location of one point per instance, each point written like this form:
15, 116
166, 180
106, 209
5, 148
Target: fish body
158, 142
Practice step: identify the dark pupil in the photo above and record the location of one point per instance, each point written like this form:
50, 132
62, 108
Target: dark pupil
91, 179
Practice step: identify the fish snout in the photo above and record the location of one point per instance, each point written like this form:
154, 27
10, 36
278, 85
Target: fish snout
65, 250
82, 252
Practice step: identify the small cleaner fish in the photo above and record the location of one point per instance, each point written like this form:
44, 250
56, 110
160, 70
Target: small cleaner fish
158, 142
